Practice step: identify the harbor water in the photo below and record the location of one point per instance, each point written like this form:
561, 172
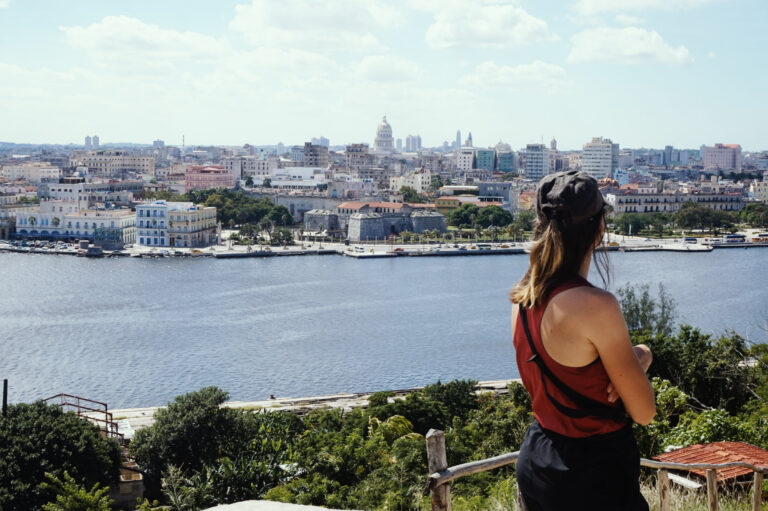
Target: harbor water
137, 332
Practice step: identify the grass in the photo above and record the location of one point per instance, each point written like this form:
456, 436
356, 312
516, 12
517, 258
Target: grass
502, 497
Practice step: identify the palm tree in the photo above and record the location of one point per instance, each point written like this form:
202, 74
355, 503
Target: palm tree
56, 221
32, 220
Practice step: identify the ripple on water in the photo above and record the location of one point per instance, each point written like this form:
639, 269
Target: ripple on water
139, 332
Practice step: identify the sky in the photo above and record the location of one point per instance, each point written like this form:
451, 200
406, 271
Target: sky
645, 73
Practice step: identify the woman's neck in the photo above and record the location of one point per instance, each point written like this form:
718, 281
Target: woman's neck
584, 270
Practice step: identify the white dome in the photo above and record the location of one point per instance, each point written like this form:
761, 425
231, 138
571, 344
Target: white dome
384, 141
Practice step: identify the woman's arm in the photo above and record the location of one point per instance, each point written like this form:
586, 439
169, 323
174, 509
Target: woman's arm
605, 328
644, 357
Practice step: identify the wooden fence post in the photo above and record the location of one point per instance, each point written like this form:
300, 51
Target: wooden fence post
757, 491
712, 489
440, 497
663, 484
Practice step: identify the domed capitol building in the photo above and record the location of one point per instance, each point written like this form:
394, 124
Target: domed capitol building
384, 142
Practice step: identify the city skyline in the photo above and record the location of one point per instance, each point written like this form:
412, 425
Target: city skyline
648, 74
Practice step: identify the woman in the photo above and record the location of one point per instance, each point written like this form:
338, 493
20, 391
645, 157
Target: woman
587, 383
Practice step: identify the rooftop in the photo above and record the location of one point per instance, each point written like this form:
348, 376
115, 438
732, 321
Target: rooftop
719, 452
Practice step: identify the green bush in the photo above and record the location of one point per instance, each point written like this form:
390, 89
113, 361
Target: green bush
36, 439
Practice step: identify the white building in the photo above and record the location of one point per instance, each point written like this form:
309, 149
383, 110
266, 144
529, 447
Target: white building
175, 224
600, 157
536, 161
32, 172
421, 181
111, 163
62, 219
465, 158
384, 142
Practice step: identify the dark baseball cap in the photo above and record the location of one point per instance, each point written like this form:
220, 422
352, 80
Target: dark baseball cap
572, 195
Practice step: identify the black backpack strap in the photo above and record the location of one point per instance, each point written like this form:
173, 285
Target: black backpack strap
587, 407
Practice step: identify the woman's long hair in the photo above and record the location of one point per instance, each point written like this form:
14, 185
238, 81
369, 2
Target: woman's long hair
558, 252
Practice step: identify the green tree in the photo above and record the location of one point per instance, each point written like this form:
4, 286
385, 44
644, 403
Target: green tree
463, 216
267, 183
493, 215
37, 438
249, 181
458, 396
280, 216
756, 215
410, 195
71, 496
643, 313
191, 431
436, 183
282, 236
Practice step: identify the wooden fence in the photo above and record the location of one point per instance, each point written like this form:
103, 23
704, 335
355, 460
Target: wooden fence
441, 475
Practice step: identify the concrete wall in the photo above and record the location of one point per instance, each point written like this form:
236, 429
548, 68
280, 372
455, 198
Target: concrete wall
427, 220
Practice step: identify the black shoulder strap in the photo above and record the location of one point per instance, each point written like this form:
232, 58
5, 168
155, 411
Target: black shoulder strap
587, 407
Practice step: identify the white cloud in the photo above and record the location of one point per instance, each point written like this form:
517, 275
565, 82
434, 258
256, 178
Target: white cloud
535, 76
590, 7
316, 25
712, 55
118, 38
630, 45
626, 19
386, 68
482, 23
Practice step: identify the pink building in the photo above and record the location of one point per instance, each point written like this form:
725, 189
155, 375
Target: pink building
722, 157
201, 177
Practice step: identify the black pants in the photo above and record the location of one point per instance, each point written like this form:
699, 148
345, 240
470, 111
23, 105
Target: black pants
597, 473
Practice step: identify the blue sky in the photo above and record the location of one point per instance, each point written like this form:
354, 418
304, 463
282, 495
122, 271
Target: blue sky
645, 73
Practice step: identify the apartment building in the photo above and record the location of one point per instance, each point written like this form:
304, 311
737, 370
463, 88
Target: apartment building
175, 224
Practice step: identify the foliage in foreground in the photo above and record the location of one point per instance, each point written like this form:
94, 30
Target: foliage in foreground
36, 439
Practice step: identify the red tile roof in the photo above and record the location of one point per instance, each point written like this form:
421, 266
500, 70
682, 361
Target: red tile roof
716, 453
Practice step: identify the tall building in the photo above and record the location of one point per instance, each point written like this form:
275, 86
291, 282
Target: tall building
87, 144
384, 142
485, 159
536, 161
297, 153
600, 157
458, 139
321, 141
412, 143
721, 157
668, 156
469, 142
399, 144
95, 141
280, 148
505, 160
315, 155
464, 159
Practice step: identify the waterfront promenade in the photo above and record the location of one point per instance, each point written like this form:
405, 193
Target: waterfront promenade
368, 250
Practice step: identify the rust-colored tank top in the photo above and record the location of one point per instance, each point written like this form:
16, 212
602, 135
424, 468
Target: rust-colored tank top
590, 380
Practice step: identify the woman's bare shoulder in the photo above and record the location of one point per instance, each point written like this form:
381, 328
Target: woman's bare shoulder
585, 298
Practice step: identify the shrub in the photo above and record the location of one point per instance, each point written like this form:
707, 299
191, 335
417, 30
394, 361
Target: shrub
38, 438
